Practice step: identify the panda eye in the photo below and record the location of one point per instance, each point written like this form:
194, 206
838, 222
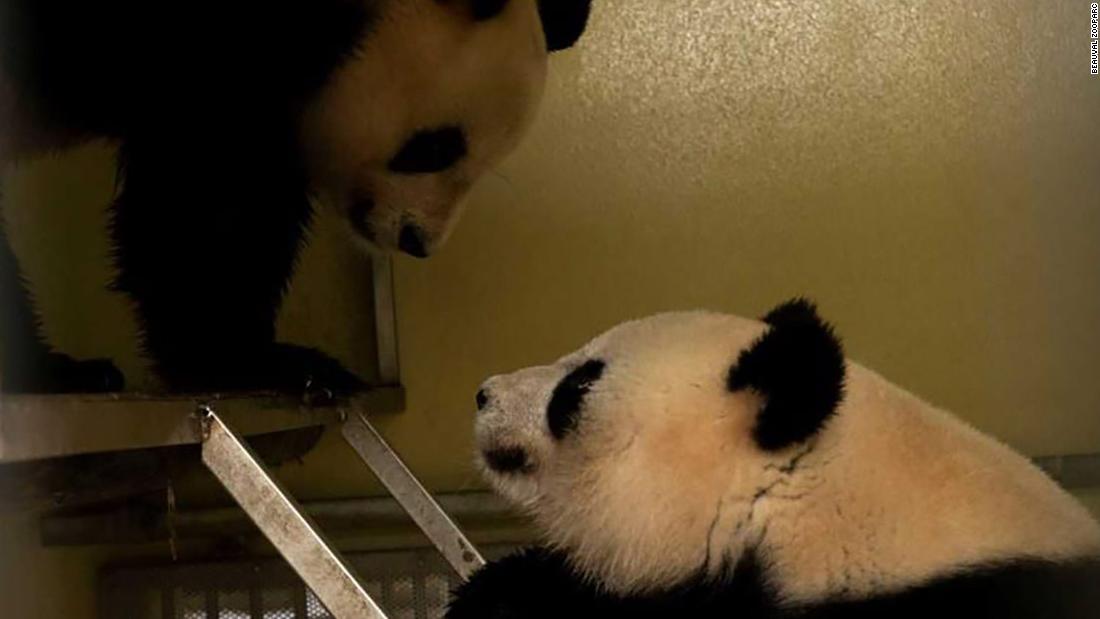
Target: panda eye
430, 151
565, 403
487, 9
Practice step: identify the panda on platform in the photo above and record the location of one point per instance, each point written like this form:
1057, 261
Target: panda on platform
230, 116
705, 465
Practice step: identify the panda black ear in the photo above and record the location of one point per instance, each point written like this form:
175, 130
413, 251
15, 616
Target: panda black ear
798, 367
563, 21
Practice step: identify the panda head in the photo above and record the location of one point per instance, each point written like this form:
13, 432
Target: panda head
436, 93
681, 444
626, 450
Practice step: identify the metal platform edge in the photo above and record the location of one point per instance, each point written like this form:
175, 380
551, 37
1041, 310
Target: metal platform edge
38, 427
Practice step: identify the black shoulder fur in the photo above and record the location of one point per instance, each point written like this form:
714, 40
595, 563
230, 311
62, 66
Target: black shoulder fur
539, 584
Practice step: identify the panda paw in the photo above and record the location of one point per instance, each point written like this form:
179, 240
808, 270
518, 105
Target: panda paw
308, 372
274, 367
52, 372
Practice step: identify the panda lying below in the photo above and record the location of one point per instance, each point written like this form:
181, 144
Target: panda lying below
704, 465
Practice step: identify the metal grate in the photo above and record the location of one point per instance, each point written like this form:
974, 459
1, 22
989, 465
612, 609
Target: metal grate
408, 584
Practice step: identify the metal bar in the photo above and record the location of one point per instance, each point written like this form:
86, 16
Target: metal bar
280, 519
385, 320
421, 507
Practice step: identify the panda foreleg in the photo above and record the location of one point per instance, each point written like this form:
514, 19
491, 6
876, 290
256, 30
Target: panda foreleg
206, 234
27, 363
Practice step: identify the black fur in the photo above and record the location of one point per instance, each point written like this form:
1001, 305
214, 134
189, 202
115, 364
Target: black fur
205, 98
563, 411
563, 21
539, 583
798, 367
430, 151
116, 67
487, 9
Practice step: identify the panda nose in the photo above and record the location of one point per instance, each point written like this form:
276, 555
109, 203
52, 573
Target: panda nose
508, 460
411, 241
482, 399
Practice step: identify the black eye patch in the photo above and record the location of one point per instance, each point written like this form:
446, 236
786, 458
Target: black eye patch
487, 9
565, 403
428, 151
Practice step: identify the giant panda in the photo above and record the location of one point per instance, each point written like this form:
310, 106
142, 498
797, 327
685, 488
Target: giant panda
231, 115
706, 465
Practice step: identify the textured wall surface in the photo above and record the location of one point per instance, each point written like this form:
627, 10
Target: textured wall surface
926, 170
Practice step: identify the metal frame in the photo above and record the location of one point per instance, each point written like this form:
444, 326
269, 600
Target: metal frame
37, 427
411, 495
294, 534
283, 522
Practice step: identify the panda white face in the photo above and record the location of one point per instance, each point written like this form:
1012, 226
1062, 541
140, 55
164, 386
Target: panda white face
673, 446
633, 437
439, 92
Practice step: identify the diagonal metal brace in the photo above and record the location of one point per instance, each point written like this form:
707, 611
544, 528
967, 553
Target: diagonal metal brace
413, 497
282, 521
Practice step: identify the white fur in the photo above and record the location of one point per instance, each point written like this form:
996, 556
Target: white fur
662, 477
426, 65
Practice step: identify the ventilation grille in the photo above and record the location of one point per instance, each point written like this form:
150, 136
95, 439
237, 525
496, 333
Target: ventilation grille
412, 584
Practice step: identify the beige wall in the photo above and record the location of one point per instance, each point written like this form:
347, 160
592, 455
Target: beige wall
926, 171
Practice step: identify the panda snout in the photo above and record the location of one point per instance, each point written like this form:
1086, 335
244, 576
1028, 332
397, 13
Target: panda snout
506, 460
372, 224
